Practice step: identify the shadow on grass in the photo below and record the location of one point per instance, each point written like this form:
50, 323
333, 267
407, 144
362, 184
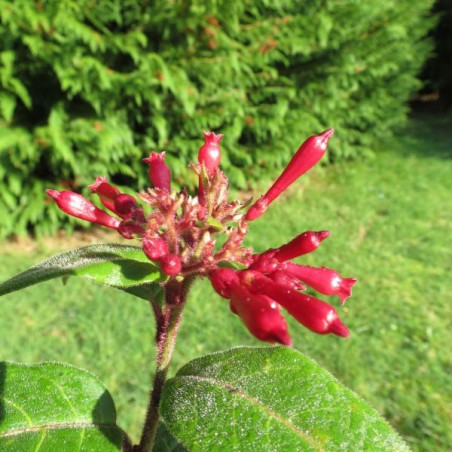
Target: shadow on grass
417, 136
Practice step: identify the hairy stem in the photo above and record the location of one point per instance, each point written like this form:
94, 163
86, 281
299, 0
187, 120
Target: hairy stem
166, 340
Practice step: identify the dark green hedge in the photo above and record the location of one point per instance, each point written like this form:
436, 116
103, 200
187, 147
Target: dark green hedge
437, 72
89, 87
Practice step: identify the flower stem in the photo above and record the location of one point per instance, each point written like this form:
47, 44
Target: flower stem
166, 340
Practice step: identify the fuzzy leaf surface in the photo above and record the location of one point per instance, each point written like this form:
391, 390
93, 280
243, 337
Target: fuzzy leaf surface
120, 266
271, 398
165, 441
54, 406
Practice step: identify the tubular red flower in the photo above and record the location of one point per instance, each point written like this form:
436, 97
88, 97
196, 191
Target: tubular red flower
119, 203
124, 204
324, 280
104, 189
106, 192
314, 314
155, 248
222, 281
159, 172
210, 153
78, 206
303, 244
260, 315
257, 209
311, 312
170, 264
188, 226
286, 280
308, 154
265, 262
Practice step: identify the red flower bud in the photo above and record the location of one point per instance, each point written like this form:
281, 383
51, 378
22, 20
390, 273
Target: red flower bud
155, 248
303, 244
286, 280
260, 314
124, 204
119, 203
324, 280
159, 172
104, 189
314, 314
311, 312
79, 207
222, 281
308, 154
265, 262
170, 264
106, 192
257, 209
210, 153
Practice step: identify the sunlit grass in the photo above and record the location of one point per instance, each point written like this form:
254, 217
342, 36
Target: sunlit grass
390, 219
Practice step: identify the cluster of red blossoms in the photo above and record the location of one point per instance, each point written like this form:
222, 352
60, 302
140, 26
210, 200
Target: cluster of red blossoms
180, 232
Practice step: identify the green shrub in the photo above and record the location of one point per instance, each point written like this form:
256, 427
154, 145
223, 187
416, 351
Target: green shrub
438, 70
87, 88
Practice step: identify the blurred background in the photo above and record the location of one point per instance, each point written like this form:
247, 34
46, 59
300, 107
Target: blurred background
89, 88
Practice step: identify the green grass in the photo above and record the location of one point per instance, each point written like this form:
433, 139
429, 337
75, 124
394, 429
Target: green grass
390, 219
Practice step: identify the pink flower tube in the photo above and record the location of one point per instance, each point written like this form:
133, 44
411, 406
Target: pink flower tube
303, 244
308, 154
78, 206
159, 172
311, 312
260, 315
210, 153
324, 280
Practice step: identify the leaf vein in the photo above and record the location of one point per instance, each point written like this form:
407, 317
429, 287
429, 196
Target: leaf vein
54, 383
84, 425
18, 408
237, 391
41, 441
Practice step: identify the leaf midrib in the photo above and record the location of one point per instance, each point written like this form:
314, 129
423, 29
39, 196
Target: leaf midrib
273, 414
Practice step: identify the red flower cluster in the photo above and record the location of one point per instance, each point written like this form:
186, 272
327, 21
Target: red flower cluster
270, 281
180, 233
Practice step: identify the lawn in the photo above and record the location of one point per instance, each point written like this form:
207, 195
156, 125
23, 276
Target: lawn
390, 218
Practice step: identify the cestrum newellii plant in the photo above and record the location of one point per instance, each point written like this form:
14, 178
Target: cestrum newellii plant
181, 231
246, 398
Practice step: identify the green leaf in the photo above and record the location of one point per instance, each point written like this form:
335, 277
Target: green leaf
270, 398
121, 266
165, 441
46, 406
7, 106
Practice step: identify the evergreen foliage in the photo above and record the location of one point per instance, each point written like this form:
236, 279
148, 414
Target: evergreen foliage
87, 88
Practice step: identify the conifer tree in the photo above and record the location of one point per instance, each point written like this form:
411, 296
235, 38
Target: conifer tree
86, 87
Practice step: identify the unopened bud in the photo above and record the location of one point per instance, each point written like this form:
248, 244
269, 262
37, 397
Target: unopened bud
210, 153
124, 204
159, 172
155, 248
170, 264
78, 206
308, 154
